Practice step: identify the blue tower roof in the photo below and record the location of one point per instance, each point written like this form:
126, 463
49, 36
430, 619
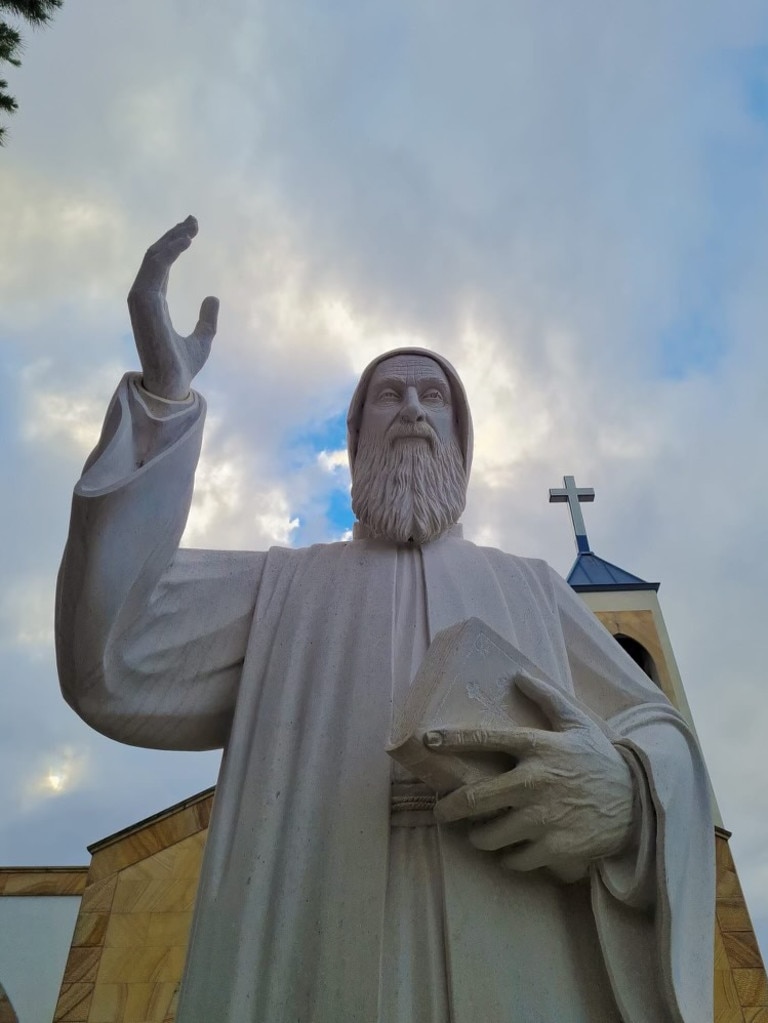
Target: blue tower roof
590, 573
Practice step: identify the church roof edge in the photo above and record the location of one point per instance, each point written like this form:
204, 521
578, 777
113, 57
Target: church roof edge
590, 574
102, 843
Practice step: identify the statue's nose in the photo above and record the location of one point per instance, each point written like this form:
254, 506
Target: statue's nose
412, 412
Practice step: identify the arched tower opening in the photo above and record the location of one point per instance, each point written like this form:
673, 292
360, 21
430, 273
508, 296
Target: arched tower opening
639, 655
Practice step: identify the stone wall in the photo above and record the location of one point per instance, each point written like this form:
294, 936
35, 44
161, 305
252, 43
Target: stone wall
741, 989
128, 950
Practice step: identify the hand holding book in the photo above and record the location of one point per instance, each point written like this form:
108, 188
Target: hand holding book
485, 726
569, 800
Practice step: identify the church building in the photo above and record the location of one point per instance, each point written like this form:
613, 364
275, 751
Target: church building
106, 943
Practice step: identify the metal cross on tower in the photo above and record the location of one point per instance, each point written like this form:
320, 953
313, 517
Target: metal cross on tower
573, 495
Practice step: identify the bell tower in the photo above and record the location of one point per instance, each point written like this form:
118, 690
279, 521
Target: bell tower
629, 609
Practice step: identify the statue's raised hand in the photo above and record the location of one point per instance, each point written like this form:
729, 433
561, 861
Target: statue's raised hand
169, 361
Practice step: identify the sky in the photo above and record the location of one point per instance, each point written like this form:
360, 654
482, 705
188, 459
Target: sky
569, 201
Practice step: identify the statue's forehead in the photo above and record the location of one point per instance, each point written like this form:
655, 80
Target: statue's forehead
408, 367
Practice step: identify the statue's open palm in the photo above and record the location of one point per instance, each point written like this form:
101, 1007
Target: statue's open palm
169, 361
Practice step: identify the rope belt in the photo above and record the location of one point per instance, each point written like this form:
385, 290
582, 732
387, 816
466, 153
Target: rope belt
411, 806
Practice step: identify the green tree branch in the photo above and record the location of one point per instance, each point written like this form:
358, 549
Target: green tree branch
36, 13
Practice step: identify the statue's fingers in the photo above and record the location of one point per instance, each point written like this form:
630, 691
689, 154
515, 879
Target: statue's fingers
515, 741
508, 829
531, 856
184, 229
561, 711
205, 329
513, 789
569, 870
159, 257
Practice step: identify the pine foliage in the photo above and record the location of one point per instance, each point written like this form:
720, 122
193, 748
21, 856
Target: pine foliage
37, 13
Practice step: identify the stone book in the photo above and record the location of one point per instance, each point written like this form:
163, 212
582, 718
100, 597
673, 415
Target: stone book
467, 681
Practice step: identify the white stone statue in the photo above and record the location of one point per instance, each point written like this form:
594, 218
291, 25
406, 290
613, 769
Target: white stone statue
331, 892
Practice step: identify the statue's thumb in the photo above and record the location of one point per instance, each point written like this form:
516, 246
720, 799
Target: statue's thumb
209, 315
560, 711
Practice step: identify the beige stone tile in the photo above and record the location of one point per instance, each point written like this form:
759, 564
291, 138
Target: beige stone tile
128, 850
178, 827
741, 948
172, 967
127, 894
108, 1003
140, 965
169, 928
127, 929
90, 929
43, 881
723, 857
727, 1008
82, 965
162, 1002
7, 1011
752, 987
188, 859
73, 1004
129, 965
732, 915
757, 1014
203, 812
152, 868
148, 1003
164, 862
728, 886
136, 1008
97, 897
168, 896
102, 866
721, 958
182, 858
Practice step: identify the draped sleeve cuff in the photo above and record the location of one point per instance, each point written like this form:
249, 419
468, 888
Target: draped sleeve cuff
140, 428
630, 875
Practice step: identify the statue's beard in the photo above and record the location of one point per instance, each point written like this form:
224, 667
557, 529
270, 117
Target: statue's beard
409, 485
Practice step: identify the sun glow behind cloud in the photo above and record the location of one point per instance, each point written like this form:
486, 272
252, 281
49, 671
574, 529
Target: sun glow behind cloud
64, 771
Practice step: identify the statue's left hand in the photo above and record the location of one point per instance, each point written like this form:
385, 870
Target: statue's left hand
169, 362
568, 801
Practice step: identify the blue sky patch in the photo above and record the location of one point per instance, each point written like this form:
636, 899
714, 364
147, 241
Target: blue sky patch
756, 84
339, 511
692, 345
328, 435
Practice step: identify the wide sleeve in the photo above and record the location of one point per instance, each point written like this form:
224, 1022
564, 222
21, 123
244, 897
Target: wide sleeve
654, 907
150, 639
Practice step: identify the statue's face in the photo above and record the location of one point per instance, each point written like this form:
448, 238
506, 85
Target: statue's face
408, 483
408, 399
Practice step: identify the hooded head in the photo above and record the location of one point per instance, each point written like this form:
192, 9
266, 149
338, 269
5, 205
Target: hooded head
409, 435
462, 415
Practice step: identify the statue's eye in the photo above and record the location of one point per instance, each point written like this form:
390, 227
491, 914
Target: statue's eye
389, 395
433, 396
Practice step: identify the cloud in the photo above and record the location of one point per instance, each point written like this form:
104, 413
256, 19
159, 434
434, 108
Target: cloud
228, 511
335, 462
26, 614
63, 417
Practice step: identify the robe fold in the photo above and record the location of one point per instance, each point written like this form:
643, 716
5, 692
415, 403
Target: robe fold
286, 660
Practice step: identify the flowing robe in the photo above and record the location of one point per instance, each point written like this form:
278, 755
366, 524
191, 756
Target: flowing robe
311, 908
